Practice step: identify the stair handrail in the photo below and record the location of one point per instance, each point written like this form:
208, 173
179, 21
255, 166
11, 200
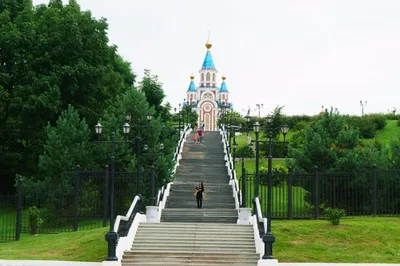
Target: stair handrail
163, 192
124, 224
261, 221
178, 150
127, 219
231, 170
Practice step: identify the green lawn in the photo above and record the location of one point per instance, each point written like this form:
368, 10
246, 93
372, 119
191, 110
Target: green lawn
390, 132
242, 140
280, 199
387, 134
250, 164
363, 239
75, 246
355, 240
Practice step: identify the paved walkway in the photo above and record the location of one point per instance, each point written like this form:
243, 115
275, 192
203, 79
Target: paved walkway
71, 263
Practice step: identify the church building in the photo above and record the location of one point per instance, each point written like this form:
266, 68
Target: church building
208, 99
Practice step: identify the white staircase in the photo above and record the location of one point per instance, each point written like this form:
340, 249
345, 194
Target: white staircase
192, 244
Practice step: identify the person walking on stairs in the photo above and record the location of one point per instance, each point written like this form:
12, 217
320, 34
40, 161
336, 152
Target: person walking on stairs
195, 136
199, 193
200, 135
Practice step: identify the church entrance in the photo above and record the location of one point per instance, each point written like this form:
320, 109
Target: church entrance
207, 114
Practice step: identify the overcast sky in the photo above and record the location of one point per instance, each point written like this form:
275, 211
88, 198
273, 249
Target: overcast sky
298, 53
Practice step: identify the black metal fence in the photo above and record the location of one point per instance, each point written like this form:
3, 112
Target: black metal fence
306, 195
79, 205
8, 217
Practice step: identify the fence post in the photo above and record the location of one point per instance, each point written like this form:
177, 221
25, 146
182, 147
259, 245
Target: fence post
243, 187
19, 209
77, 184
374, 191
105, 196
316, 194
290, 196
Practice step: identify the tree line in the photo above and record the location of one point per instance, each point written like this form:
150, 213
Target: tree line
59, 77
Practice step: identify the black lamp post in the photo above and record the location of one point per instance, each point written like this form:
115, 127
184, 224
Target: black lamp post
180, 119
268, 238
181, 115
284, 130
153, 173
243, 178
234, 146
187, 112
256, 128
248, 118
259, 106
138, 153
112, 236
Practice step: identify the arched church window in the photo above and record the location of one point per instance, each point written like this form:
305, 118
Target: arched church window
214, 77
208, 77
202, 76
208, 96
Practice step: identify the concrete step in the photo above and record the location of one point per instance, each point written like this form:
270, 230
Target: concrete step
208, 180
192, 211
199, 219
202, 166
223, 192
189, 196
193, 205
192, 185
172, 237
189, 258
221, 220
198, 231
197, 177
198, 225
209, 200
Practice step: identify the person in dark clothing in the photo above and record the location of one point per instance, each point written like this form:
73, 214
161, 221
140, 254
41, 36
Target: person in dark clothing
199, 193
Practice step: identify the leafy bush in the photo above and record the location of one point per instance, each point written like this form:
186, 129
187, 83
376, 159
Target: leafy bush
398, 123
300, 125
367, 128
279, 175
35, 221
297, 140
333, 215
244, 151
379, 120
392, 116
292, 121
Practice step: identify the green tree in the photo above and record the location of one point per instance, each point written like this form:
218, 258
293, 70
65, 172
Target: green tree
67, 145
152, 89
395, 152
333, 146
51, 56
278, 119
151, 133
326, 140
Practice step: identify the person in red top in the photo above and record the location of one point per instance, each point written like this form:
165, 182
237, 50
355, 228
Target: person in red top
200, 133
